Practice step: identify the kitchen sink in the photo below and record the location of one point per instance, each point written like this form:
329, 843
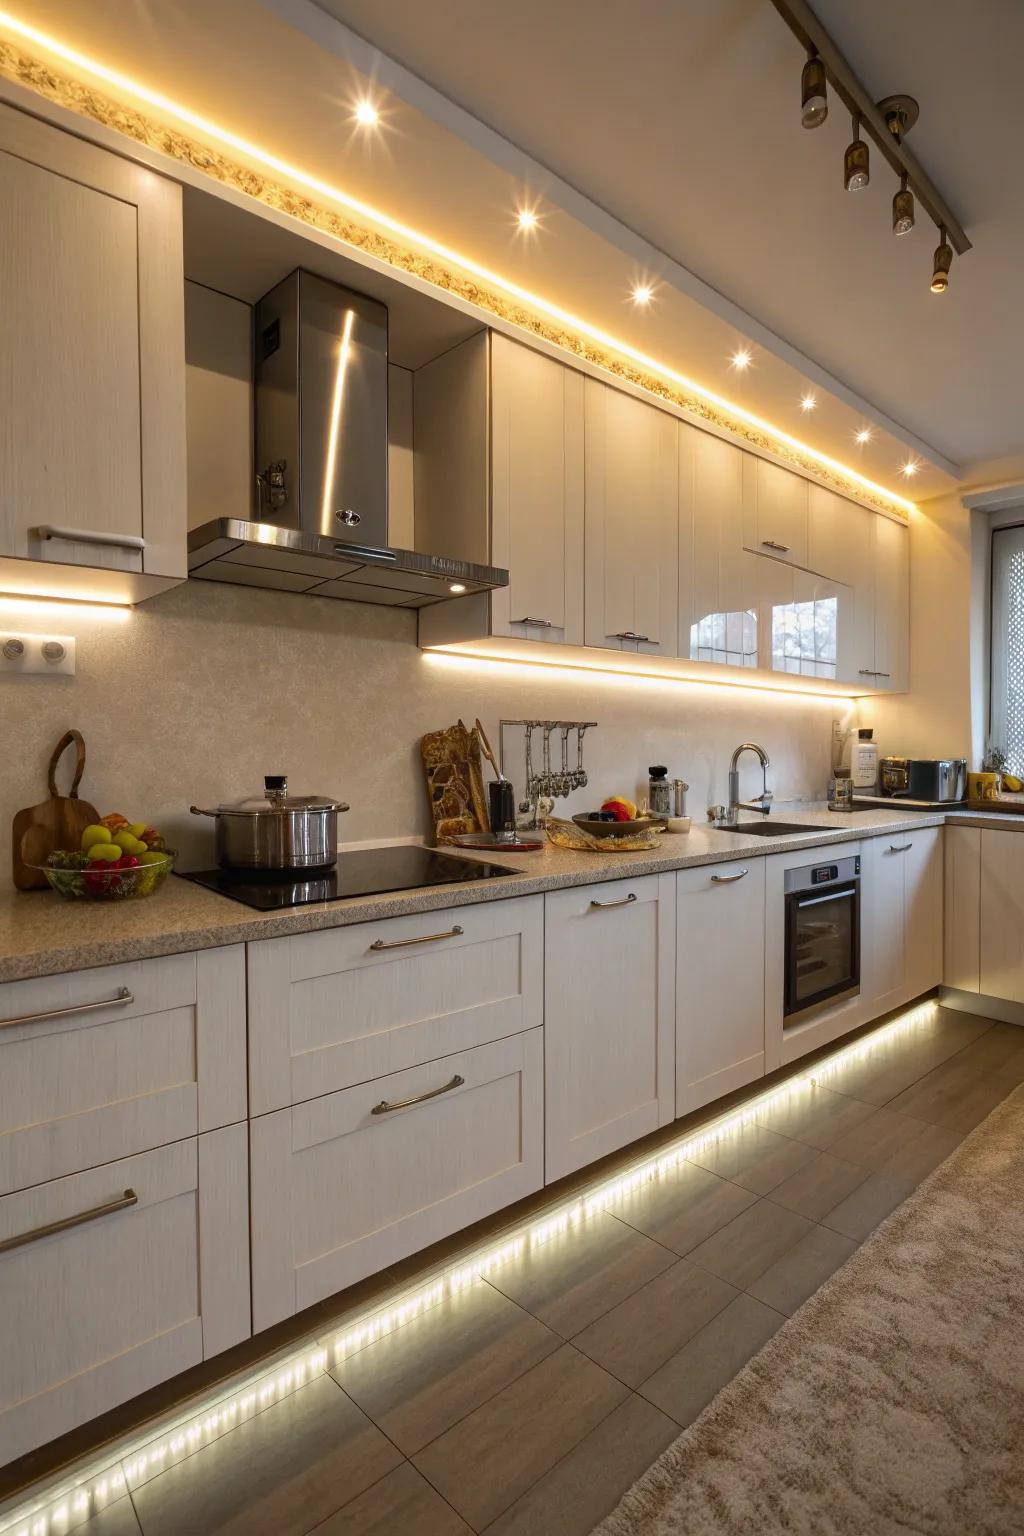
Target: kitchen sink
770, 829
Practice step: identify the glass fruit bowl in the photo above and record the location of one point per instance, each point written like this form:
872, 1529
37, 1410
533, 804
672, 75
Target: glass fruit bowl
103, 882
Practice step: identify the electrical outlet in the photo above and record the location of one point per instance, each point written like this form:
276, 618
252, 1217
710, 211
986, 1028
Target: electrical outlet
28, 655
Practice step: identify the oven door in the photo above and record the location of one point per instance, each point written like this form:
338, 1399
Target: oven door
822, 945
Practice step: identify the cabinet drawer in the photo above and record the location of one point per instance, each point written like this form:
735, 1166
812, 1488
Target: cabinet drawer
340, 1191
100, 1064
331, 1009
108, 1304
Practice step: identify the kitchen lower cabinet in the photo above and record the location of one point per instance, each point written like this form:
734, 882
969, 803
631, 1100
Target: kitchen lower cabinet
719, 980
346, 1184
609, 1017
92, 370
100, 1064
902, 917
962, 908
117, 1278
1001, 957
331, 1009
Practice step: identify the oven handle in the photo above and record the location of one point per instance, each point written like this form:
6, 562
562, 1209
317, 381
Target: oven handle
831, 896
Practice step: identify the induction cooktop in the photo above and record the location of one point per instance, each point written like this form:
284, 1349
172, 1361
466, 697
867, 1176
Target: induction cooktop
368, 872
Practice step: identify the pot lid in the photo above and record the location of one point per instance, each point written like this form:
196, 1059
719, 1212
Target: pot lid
277, 798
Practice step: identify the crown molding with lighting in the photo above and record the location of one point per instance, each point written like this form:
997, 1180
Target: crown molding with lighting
399, 247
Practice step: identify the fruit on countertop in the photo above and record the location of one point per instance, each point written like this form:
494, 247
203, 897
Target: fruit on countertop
104, 853
1012, 783
94, 835
118, 858
621, 808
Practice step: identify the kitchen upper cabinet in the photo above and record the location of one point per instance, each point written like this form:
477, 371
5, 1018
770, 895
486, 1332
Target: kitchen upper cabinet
536, 494
92, 368
1002, 915
609, 1017
774, 510
891, 617
807, 622
719, 1006
632, 524
717, 576
902, 918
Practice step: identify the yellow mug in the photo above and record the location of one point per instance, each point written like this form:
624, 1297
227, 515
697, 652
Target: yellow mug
983, 786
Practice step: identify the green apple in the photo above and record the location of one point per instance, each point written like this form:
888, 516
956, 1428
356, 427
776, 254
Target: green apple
94, 835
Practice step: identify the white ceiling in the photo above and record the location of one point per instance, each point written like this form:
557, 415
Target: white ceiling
681, 118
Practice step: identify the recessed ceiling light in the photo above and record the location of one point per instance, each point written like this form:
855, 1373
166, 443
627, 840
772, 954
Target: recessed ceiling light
863, 436
740, 359
366, 114
808, 402
643, 293
457, 586
910, 468
526, 219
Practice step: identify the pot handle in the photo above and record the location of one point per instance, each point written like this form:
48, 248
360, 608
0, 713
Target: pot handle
195, 811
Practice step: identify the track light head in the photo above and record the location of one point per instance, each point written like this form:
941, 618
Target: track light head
903, 209
856, 161
813, 93
941, 263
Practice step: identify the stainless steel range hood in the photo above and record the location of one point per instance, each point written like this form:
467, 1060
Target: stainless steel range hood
321, 451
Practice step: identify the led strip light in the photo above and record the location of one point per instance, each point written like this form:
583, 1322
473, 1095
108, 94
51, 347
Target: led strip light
87, 1491
323, 189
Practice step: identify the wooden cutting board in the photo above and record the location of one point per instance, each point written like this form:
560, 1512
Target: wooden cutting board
56, 823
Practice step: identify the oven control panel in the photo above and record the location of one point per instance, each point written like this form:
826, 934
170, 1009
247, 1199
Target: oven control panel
813, 875
824, 873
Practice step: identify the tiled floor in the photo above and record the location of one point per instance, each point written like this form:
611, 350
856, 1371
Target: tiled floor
531, 1401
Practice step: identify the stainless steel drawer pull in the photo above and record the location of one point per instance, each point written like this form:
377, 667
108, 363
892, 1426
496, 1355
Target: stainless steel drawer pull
783, 549
625, 901
815, 901
37, 1234
425, 938
122, 1000
729, 879
630, 634
384, 1108
900, 847
537, 623
88, 536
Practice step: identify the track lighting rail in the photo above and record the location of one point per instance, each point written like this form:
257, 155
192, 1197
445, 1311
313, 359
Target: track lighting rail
810, 33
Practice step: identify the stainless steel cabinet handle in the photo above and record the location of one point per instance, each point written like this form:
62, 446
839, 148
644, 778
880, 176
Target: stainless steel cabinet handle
37, 1234
900, 847
729, 879
425, 938
630, 634
537, 623
625, 901
815, 901
783, 549
866, 672
384, 1108
88, 536
122, 1000
882, 674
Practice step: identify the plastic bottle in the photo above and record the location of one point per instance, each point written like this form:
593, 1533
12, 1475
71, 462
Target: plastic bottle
864, 761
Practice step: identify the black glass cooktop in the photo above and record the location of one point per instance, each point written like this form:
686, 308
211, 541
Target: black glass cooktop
365, 873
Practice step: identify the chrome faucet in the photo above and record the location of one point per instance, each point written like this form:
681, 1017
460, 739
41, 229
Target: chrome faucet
729, 815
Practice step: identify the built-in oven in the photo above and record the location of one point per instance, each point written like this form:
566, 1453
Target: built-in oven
822, 935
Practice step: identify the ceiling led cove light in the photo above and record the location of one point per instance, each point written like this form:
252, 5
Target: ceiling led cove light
411, 242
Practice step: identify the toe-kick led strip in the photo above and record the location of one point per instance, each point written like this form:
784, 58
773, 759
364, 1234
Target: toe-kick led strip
88, 1490
562, 320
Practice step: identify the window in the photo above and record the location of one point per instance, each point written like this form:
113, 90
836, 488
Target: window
804, 637
725, 637
1007, 723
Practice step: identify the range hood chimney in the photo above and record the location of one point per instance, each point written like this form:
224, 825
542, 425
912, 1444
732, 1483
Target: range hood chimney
321, 463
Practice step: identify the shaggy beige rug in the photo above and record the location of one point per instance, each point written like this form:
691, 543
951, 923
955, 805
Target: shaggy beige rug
893, 1401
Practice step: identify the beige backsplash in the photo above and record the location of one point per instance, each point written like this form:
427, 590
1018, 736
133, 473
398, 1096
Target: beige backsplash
192, 697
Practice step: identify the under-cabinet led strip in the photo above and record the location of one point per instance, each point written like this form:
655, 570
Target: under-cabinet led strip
83, 1493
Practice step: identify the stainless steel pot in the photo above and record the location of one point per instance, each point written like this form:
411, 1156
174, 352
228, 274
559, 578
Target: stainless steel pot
281, 831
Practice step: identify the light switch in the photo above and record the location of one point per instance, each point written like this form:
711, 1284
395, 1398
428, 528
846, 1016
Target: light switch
34, 655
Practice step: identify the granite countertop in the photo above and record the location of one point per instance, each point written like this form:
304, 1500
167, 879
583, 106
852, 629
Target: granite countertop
41, 934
